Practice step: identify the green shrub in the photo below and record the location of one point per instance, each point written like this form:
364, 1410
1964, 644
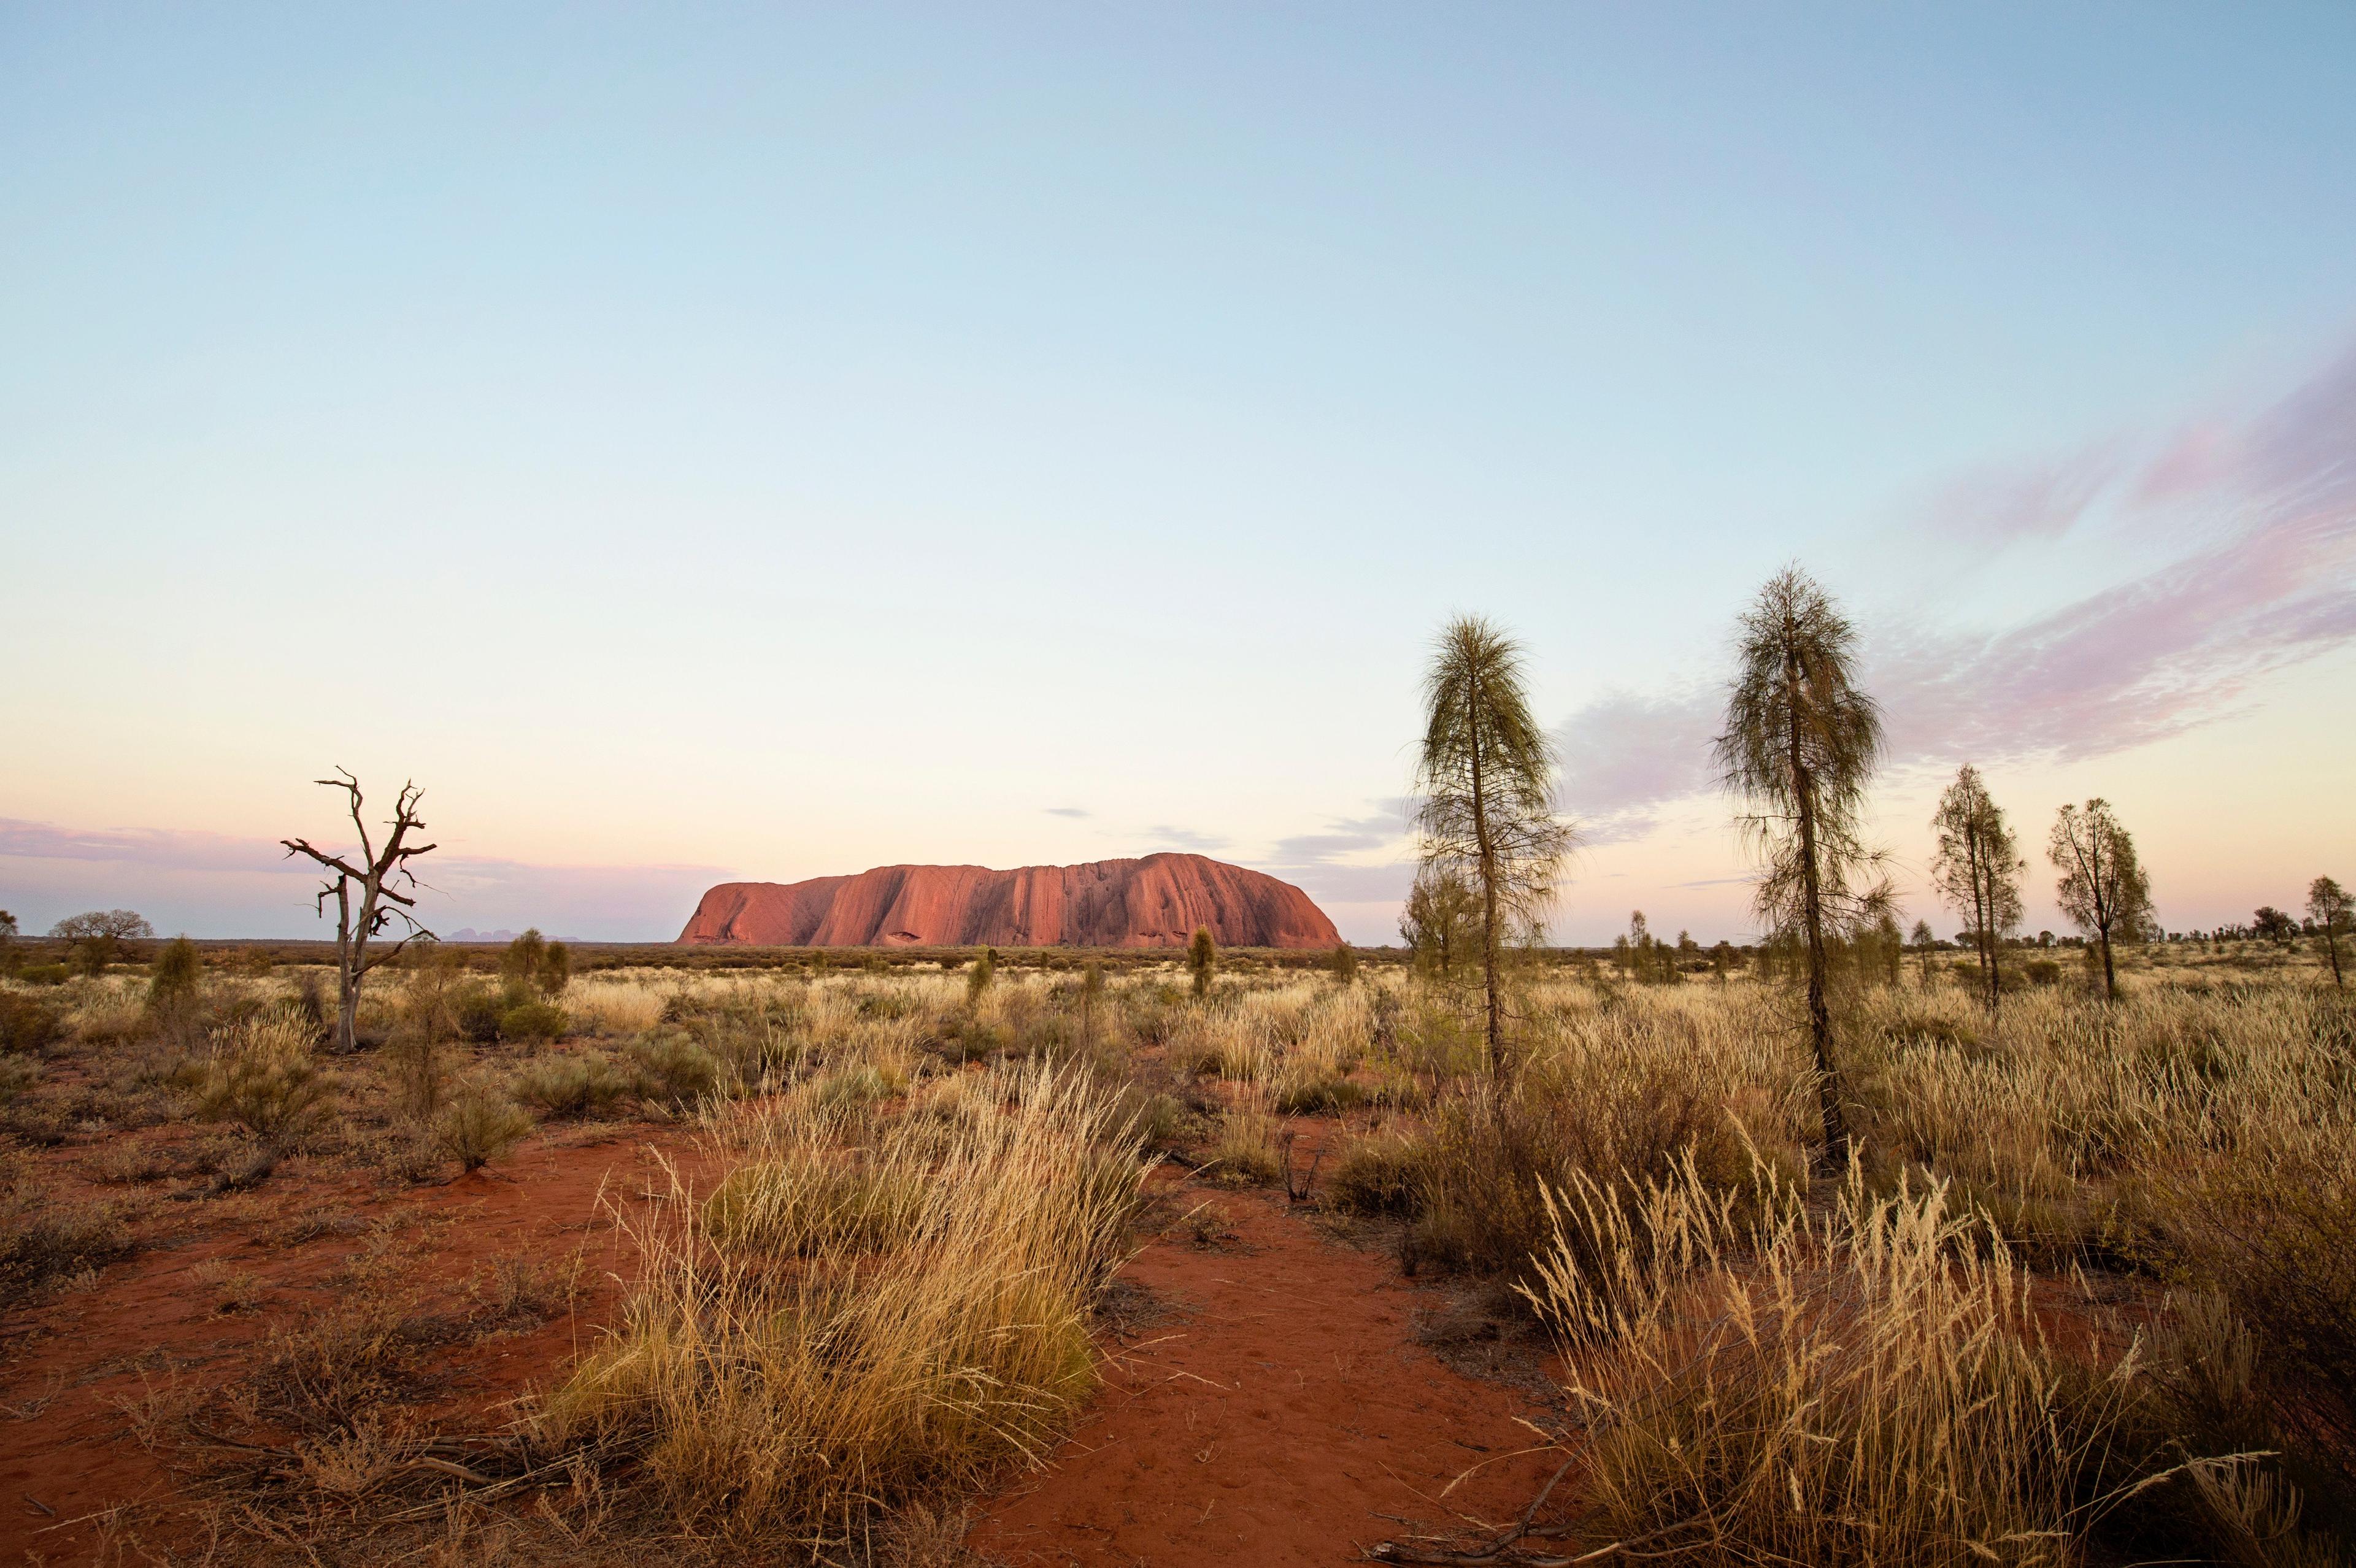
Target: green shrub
475, 1010
1318, 1094
969, 1039
173, 978
673, 1070
28, 1024
568, 1086
478, 1126
532, 1020
520, 963
46, 975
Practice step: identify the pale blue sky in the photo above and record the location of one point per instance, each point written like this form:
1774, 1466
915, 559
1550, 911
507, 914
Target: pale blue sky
775, 442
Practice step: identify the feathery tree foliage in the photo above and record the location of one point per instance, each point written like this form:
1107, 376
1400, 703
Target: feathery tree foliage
1441, 921
1920, 940
1486, 778
174, 976
1800, 743
2103, 889
2334, 913
1977, 869
1203, 959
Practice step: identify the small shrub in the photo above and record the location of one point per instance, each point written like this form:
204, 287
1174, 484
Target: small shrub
1158, 1119
520, 963
1243, 1154
173, 978
45, 975
1316, 1094
860, 1084
532, 1020
673, 1070
311, 1001
1378, 1174
555, 970
478, 1126
476, 1011
261, 1076
568, 1086
1201, 961
42, 1238
28, 1024
419, 1071
970, 1039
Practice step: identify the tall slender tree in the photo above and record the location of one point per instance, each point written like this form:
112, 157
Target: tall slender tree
1486, 777
2334, 913
1977, 869
2103, 889
1921, 941
1801, 742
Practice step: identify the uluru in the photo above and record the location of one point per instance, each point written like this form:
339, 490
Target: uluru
1158, 901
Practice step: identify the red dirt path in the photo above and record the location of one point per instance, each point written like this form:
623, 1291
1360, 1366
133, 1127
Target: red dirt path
1277, 1415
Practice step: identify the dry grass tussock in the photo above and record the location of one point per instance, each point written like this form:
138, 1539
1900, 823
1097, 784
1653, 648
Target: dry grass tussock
861, 1313
1876, 1374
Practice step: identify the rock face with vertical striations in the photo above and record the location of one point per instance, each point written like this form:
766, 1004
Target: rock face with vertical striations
1157, 901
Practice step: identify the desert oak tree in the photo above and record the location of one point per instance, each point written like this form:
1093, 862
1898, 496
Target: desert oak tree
1800, 745
2334, 913
377, 881
1978, 868
1484, 779
2103, 890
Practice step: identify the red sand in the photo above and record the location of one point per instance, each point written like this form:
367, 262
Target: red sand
1278, 1411
1284, 1413
148, 1320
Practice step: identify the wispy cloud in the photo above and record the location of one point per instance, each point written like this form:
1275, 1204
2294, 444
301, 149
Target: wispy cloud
1355, 859
250, 879
1068, 811
178, 850
1164, 835
2267, 579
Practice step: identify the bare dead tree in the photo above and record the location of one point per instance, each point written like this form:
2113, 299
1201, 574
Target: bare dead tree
379, 879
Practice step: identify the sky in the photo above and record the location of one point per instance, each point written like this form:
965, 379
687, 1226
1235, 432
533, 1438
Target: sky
704, 442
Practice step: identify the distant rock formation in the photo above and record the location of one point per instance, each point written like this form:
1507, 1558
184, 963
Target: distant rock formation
1157, 901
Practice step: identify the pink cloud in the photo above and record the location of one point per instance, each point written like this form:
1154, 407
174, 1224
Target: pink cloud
220, 884
2271, 582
